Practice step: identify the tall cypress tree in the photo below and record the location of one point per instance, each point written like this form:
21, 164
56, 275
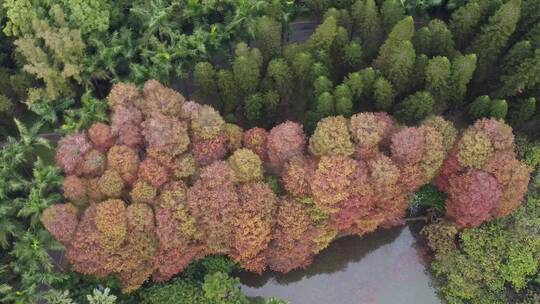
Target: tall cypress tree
392, 11
268, 37
383, 93
397, 55
415, 107
438, 78
463, 67
207, 88
494, 36
465, 24
525, 77
368, 25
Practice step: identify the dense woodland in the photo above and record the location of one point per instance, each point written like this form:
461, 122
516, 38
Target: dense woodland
159, 195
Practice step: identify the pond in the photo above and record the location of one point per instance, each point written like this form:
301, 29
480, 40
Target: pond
384, 267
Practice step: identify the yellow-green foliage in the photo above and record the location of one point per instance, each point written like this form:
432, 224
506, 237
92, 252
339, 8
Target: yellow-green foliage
331, 137
111, 183
53, 55
206, 122
324, 34
246, 165
111, 222
143, 192
475, 149
445, 127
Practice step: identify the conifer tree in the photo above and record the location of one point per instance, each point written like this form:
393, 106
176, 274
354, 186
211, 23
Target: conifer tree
524, 110
480, 107
530, 14
355, 83
463, 67
383, 92
533, 35
352, 56
247, 70
207, 87
342, 16
519, 53
324, 35
253, 107
435, 39
268, 37
322, 84
494, 36
442, 40
227, 90
438, 75
343, 100
422, 41
271, 103
498, 109
367, 23
392, 11
302, 65
280, 77
415, 107
344, 106
465, 23
418, 77
368, 76
325, 104
525, 77
397, 56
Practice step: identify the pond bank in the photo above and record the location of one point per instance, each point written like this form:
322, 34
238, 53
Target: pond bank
384, 267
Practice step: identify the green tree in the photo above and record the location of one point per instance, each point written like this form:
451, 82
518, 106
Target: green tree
438, 78
480, 107
442, 40
352, 56
465, 23
422, 41
530, 14
397, 56
518, 53
355, 83
494, 37
322, 84
324, 35
247, 70
525, 77
463, 67
219, 288
415, 107
253, 107
498, 108
368, 24
523, 110
228, 90
280, 77
383, 93
392, 11
325, 104
207, 88
418, 77
54, 55
343, 99
268, 37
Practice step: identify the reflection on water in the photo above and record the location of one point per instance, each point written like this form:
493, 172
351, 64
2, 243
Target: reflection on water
385, 267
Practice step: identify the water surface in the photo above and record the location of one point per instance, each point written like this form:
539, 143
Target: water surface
384, 267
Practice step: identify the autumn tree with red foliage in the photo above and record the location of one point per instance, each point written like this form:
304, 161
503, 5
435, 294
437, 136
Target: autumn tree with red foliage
482, 176
169, 182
